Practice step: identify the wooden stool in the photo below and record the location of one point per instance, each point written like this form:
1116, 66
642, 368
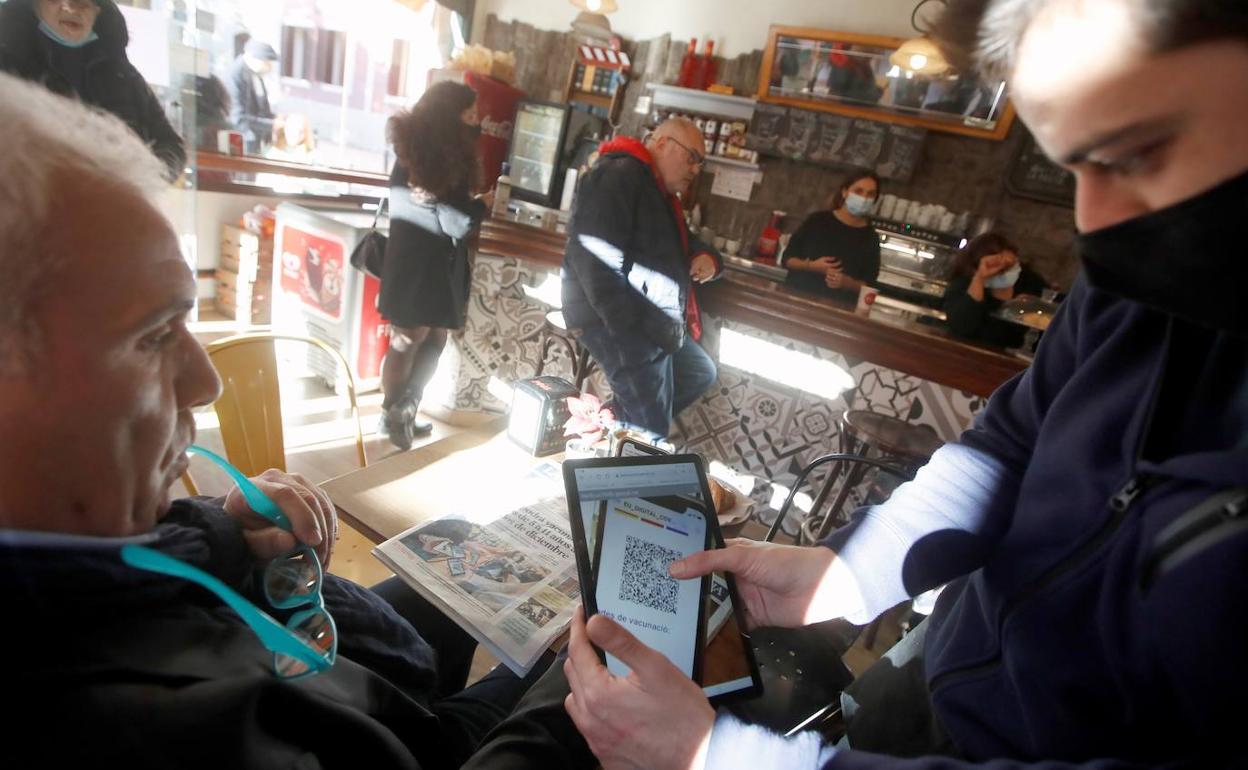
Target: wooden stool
862, 432
555, 332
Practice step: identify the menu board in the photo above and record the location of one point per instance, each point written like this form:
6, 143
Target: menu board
1033, 175
893, 151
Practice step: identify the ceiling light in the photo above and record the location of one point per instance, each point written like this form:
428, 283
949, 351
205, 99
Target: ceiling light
597, 6
919, 55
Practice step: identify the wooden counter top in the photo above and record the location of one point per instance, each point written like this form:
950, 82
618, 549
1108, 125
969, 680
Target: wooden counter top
911, 348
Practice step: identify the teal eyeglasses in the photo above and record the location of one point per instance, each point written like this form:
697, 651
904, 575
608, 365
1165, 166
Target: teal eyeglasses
308, 643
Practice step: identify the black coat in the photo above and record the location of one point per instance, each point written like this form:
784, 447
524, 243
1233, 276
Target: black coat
426, 277
626, 265
110, 82
117, 667
249, 106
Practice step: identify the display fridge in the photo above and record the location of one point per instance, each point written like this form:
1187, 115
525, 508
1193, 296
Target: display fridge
547, 140
536, 148
318, 294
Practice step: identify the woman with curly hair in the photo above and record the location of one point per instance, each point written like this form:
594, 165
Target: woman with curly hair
426, 277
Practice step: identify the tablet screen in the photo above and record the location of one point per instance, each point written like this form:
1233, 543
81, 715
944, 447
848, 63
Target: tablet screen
639, 516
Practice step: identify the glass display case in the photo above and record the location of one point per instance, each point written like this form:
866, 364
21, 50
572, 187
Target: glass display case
536, 146
853, 75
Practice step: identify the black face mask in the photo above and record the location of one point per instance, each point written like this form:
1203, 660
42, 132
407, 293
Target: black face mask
1189, 260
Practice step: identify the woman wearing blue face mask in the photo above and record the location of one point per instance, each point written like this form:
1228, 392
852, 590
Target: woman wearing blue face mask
836, 251
986, 273
77, 48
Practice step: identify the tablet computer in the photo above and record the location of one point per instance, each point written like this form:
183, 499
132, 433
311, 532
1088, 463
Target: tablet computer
630, 518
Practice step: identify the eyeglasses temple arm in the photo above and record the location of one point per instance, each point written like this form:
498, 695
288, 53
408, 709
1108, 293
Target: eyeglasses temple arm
273, 635
259, 501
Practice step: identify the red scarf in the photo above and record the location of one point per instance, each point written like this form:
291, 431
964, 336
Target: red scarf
631, 146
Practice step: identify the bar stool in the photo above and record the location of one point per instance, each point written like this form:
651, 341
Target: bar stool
555, 332
905, 444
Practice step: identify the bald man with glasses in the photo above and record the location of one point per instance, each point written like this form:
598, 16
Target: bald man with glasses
629, 274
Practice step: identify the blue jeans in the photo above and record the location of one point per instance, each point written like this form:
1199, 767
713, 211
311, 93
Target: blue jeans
649, 384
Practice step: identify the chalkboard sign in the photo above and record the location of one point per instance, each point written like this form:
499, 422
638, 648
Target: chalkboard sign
1033, 175
836, 140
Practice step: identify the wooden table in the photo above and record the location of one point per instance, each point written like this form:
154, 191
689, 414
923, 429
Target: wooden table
478, 468
466, 471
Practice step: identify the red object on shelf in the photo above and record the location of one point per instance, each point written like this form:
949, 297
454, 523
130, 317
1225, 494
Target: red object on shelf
769, 239
688, 66
707, 69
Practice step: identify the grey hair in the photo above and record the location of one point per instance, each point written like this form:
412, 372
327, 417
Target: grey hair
984, 35
47, 140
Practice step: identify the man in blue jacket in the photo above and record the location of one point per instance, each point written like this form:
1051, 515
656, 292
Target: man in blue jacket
629, 270
1093, 524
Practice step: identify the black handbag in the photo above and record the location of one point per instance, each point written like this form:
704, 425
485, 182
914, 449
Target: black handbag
369, 254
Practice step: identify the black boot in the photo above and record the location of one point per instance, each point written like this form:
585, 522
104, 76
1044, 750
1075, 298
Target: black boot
397, 425
420, 427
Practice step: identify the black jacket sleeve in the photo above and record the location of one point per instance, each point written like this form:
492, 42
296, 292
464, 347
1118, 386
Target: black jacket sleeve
156, 131
698, 246
599, 248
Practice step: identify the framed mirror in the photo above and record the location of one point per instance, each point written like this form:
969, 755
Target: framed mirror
853, 75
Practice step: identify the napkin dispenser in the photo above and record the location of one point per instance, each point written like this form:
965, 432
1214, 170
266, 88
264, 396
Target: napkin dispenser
539, 410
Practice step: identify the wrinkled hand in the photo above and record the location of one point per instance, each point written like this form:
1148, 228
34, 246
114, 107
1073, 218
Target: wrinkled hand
823, 264
780, 585
655, 718
313, 518
702, 268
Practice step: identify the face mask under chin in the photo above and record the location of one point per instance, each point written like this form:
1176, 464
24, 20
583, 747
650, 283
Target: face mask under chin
1189, 260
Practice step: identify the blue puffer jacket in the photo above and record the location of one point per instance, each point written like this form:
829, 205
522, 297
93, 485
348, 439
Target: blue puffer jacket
1098, 511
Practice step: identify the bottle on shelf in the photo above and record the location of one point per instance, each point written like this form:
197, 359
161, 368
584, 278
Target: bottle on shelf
707, 70
769, 239
502, 191
688, 66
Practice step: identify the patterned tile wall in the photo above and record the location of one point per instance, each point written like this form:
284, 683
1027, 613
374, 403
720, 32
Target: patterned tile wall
765, 428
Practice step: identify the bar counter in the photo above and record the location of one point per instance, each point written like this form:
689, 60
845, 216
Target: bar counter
913, 348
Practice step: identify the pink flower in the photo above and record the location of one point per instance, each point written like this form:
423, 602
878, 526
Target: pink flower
588, 419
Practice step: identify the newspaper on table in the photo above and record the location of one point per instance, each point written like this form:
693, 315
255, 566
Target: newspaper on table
508, 578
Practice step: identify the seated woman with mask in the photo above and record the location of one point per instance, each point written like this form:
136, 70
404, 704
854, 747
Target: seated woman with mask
986, 272
836, 251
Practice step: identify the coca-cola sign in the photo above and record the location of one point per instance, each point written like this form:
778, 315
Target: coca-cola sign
498, 129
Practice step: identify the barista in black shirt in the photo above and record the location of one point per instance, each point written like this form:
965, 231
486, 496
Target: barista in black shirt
836, 251
986, 273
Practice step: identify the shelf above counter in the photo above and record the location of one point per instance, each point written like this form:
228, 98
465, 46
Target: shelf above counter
703, 102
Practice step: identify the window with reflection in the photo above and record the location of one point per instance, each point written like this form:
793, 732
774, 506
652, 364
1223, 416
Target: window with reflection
306, 81
859, 74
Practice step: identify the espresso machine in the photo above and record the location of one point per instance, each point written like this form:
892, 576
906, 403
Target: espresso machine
915, 263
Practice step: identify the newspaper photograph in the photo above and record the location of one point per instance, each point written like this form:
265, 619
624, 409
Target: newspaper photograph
510, 581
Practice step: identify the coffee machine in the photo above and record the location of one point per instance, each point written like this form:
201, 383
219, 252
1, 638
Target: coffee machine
915, 263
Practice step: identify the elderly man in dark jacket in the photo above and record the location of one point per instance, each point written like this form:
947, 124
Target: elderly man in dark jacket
78, 49
628, 275
116, 666
249, 97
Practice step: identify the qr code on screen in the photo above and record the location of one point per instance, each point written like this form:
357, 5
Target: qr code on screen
645, 580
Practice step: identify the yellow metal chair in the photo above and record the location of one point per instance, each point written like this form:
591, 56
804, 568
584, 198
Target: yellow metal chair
250, 409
